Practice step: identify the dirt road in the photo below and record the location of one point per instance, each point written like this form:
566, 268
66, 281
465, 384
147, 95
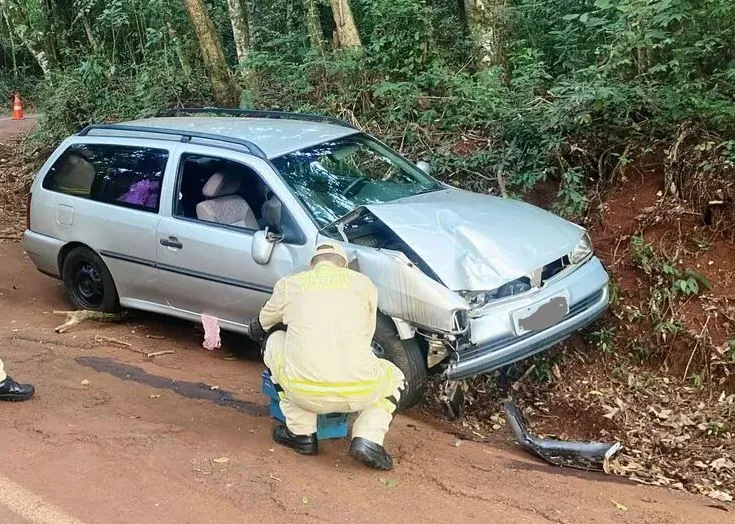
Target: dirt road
115, 437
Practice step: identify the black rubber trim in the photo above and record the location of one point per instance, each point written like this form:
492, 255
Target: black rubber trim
186, 135
188, 272
214, 278
128, 258
50, 274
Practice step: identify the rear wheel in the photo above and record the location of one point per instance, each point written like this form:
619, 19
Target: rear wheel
87, 281
407, 355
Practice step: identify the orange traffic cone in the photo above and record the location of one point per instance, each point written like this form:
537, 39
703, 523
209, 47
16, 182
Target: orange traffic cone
17, 108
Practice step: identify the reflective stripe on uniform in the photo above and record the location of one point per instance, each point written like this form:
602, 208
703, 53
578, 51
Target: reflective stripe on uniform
385, 405
326, 388
319, 388
324, 276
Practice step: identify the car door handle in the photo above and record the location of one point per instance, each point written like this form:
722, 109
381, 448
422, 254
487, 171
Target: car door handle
172, 242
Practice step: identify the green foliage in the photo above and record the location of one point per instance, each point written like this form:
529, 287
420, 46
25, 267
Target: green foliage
715, 428
25, 82
730, 353
88, 94
542, 372
666, 272
604, 339
639, 352
583, 85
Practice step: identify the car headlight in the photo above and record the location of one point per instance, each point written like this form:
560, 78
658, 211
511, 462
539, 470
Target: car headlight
480, 298
582, 250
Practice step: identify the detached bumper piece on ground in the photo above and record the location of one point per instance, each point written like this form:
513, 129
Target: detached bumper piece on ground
569, 453
15, 392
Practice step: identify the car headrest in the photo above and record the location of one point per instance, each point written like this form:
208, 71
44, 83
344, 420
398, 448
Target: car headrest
221, 184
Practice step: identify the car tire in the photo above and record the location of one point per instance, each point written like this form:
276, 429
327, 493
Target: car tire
407, 355
88, 283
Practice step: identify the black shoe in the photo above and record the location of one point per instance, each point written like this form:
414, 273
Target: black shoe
304, 444
370, 454
11, 390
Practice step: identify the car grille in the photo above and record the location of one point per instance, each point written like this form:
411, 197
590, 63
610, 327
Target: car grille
574, 310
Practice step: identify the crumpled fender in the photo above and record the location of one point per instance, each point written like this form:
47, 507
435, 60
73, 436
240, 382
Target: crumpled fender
569, 453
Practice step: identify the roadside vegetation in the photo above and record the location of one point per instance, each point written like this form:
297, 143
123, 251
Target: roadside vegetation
619, 115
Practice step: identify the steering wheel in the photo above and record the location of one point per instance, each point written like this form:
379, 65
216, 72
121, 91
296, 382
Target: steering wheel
350, 189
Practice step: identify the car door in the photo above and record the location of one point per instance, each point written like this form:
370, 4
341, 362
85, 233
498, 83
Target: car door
106, 196
208, 268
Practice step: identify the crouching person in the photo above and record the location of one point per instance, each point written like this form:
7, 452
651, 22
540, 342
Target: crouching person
320, 324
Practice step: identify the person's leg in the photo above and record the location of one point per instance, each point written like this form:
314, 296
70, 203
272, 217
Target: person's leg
273, 353
371, 425
373, 422
299, 432
298, 420
11, 390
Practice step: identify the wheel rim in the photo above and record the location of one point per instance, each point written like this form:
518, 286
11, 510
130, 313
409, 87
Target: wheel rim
87, 285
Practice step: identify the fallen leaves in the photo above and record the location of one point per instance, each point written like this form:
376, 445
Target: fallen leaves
674, 435
720, 495
722, 462
388, 482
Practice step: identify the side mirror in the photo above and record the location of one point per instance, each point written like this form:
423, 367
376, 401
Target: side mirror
424, 166
262, 247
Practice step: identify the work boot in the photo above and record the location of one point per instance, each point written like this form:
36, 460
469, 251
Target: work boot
370, 454
11, 390
304, 444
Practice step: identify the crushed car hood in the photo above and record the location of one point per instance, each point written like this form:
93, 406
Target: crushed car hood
478, 242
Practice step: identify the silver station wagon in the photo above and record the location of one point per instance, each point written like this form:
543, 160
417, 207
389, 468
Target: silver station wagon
199, 213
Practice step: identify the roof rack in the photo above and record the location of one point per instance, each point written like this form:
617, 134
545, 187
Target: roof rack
185, 136
252, 113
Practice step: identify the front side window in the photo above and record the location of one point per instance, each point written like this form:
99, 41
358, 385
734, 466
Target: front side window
335, 177
120, 175
227, 193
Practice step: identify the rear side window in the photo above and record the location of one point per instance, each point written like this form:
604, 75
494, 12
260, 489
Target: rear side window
120, 175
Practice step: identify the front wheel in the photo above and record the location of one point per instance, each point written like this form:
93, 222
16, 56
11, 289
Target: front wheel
407, 355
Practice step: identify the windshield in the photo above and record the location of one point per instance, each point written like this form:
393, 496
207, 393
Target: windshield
335, 177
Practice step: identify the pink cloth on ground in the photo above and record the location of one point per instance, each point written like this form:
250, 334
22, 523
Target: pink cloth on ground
211, 332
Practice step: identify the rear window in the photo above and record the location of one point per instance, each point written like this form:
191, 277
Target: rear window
120, 175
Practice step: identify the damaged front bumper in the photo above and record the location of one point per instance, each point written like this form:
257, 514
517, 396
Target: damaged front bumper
494, 342
570, 453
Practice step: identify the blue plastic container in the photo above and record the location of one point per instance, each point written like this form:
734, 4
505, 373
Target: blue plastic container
329, 426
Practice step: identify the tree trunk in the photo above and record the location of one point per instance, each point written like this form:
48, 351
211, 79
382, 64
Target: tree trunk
240, 30
88, 31
21, 28
175, 41
314, 26
12, 44
346, 29
41, 57
224, 89
488, 30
